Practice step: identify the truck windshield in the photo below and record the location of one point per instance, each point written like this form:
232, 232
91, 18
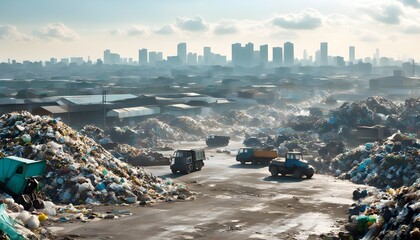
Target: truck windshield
182, 154
294, 156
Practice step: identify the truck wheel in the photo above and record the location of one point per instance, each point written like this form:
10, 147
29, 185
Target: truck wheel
25, 201
274, 171
38, 204
309, 173
173, 170
199, 166
297, 173
189, 169
242, 162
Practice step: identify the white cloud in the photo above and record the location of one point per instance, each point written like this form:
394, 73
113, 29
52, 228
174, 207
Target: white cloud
369, 38
9, 32
411, 3
196, 24
165, 30
135, 31
56, 31
307, 19
387, 13
412, 29
226, 26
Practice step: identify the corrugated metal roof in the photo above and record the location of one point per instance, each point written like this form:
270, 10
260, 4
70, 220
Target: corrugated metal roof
54, 109
95, 99
133, 112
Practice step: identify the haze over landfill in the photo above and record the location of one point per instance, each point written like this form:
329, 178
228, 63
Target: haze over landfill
209, 119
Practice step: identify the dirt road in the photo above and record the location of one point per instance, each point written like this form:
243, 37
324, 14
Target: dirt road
233, 202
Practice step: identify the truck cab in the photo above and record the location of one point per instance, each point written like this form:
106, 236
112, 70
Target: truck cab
17, 179
293, 164
187, 160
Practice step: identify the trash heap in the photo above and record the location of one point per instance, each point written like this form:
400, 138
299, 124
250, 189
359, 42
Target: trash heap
97, 134
79, 170
392, 163
124, 152
138, 157
189, 126
388, 214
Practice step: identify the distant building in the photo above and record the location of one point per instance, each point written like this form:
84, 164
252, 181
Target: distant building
339, 61
143, 57
264, 54
182, 52
77, 60
289, 54
192, 58
352, 54
277, 56
115, 58
324, 54
398, 80
107, 56
207, 56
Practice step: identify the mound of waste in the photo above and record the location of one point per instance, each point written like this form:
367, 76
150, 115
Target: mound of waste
79, 170
125, 152
388, 214
392, 163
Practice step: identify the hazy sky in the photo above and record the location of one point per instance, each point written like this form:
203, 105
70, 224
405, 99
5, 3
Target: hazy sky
38, 30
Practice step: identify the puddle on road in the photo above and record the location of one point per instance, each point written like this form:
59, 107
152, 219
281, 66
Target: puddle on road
223, 197
255, 208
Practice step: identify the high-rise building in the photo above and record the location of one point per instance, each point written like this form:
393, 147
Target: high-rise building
289, 54
352, 54
264, 54
236, 54
243, 56
143, 56
277, 56
324, 54
182, 52
249, 54
192, 58
207, 56
107, 56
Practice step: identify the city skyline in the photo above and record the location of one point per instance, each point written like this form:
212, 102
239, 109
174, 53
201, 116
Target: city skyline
46, 28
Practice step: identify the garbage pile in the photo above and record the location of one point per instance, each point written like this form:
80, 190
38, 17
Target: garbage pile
189, 126
79, 170
392, 163
390, 214
137, 157
124, 152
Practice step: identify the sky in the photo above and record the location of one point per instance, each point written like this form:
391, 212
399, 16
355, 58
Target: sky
39, 30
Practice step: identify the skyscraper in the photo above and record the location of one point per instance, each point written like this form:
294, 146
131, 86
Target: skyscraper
264, 54
289, 54
182, 52
207, 55
236, 54
143, 56
277, 56
352, 54
107, 56
249, 54
192, 58
324, 54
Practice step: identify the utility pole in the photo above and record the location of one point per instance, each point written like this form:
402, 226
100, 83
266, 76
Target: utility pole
104, 92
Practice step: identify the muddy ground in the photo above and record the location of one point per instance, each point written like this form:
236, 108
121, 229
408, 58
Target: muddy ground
233, 202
